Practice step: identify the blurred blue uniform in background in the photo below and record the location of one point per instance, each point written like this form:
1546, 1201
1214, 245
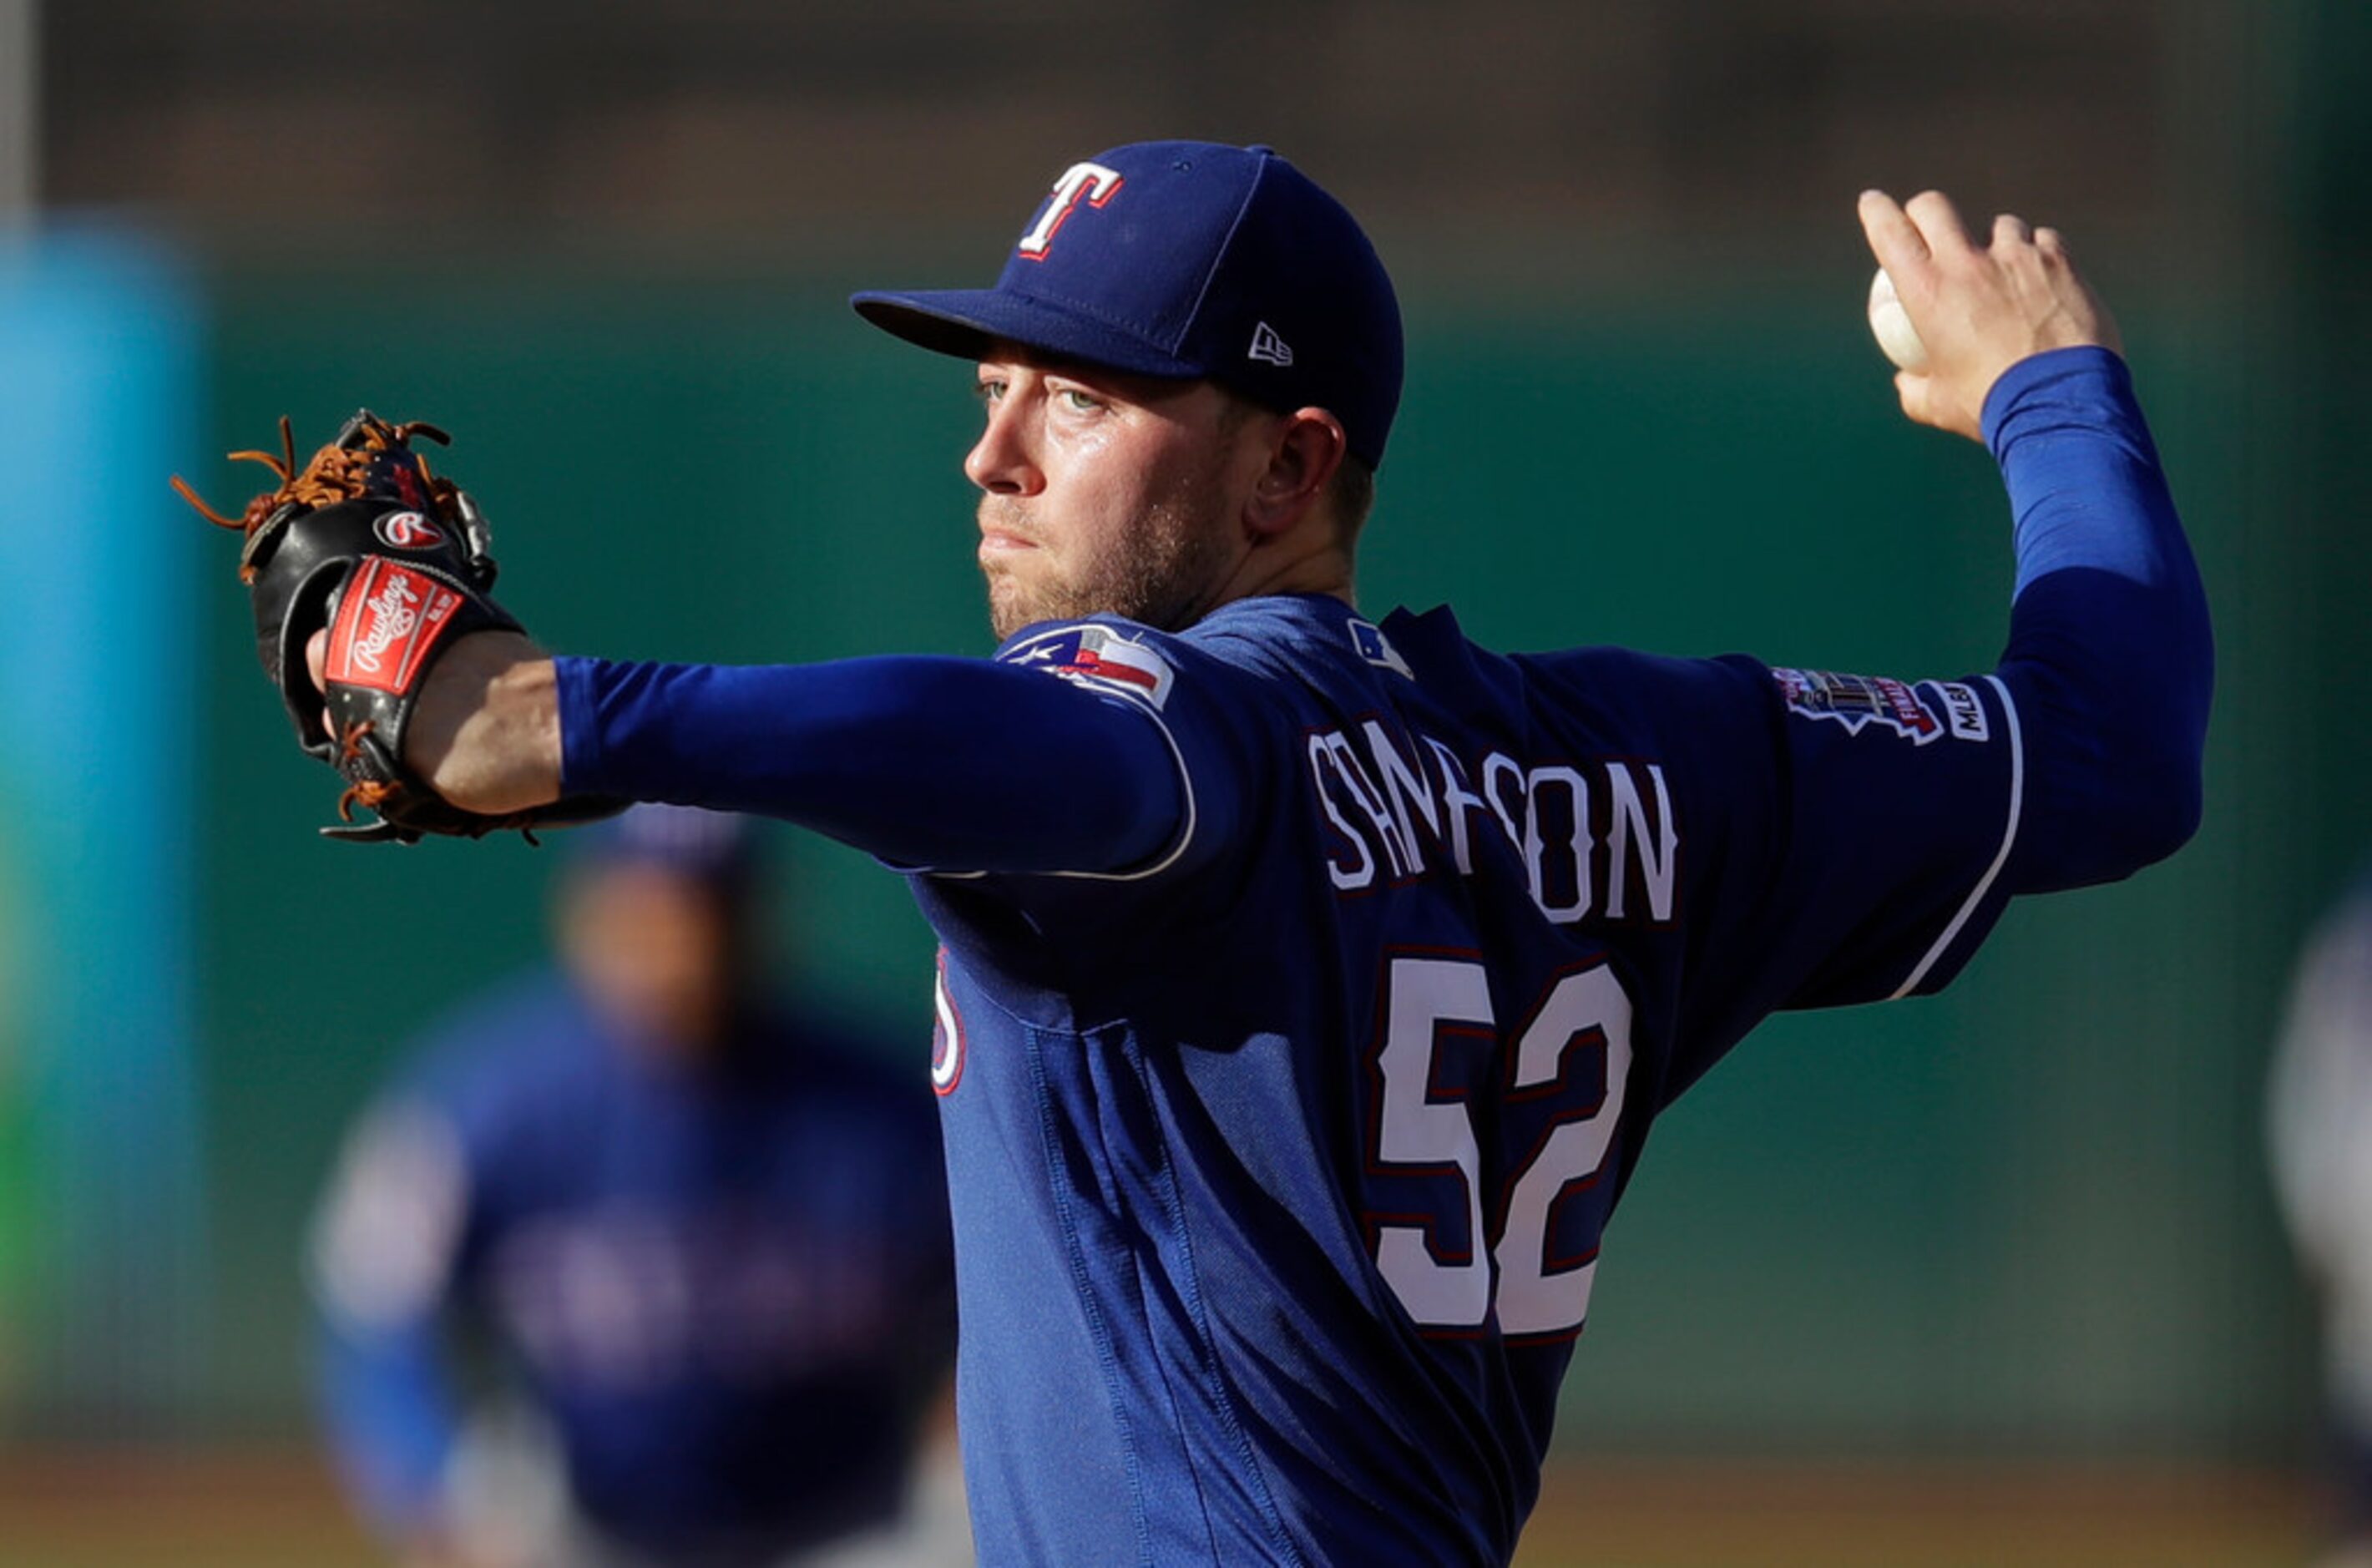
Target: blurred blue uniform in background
2319, 1115
705, 1242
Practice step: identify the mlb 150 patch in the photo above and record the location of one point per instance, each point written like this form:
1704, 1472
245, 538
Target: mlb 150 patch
1857, 702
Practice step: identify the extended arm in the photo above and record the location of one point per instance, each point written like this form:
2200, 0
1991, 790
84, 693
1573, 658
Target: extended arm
924, 760
947, 763
2110, 660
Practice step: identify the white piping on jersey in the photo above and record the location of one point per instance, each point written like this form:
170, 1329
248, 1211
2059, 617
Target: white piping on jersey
2001, 856
1185, 833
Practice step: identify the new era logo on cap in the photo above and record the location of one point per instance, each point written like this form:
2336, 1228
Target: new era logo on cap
1193, 261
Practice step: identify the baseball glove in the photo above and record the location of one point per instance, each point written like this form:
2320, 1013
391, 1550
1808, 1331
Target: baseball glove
395, 561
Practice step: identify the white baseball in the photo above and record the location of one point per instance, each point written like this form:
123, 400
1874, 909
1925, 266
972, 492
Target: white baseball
1891, 324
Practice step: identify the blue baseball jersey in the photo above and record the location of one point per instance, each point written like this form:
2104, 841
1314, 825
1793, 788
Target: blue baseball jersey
727, 1289
1298, 1142
1311, 984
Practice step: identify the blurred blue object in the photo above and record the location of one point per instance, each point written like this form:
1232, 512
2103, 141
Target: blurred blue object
98, 335
719, 848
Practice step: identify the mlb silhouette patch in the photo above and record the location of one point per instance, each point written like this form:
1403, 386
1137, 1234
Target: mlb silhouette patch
1378, 650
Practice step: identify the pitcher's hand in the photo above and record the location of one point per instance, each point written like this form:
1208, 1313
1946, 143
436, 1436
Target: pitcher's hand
1979, 309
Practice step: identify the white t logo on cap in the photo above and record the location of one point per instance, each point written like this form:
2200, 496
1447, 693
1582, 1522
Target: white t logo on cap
1091, 180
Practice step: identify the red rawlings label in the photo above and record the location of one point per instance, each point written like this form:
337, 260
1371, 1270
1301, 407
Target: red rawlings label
388, 620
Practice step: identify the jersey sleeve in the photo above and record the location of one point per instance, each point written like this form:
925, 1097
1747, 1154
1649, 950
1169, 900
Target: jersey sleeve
1188, 704
1860, 825
1851, 838
1840, 838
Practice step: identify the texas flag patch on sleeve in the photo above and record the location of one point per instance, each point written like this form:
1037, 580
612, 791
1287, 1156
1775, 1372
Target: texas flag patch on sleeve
1097, 655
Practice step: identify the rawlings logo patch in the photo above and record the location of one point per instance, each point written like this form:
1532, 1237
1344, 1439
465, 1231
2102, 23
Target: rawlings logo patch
388, 620
408, 530
1857, 702
1098, 655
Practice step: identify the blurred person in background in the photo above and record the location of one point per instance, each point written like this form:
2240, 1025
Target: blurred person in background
2320, 1126
631, 1267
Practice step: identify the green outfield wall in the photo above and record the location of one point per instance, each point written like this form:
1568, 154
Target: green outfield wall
2029, 1213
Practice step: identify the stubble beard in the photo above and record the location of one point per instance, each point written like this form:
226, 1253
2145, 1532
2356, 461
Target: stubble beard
1163, 575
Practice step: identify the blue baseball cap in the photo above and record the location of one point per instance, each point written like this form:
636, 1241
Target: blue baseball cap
716, 848
1195, 261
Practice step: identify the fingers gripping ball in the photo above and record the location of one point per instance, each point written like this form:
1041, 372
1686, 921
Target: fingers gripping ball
1891, 324
396, 563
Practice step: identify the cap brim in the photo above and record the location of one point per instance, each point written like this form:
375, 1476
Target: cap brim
966, 322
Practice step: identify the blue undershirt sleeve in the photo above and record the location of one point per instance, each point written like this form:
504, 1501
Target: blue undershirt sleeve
389, 1407
2109, 660
922, 760
384, 1262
